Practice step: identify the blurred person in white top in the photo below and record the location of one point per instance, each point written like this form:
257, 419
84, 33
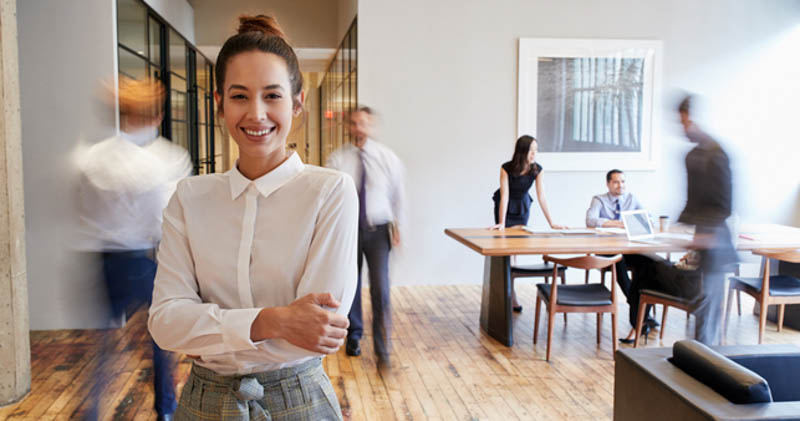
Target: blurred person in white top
257, 265
126, 181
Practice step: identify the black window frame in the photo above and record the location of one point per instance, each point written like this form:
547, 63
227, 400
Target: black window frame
163, 73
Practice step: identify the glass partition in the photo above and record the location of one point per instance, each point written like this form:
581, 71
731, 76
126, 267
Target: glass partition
149, 47
338, 94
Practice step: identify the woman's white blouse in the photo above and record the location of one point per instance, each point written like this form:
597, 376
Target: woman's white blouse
232, 246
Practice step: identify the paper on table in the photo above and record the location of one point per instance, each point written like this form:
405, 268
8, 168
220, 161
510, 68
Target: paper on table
561, 231
618, 231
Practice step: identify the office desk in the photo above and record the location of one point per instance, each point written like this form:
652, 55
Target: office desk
498, 246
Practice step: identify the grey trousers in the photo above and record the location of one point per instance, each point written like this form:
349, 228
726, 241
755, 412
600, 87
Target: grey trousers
715, 261
375, 246
708, 308
303, 392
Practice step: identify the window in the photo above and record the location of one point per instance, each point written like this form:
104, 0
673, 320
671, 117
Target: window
338, 94
149, 47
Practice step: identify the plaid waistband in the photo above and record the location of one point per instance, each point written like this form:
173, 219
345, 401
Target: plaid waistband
299, 392
265, 378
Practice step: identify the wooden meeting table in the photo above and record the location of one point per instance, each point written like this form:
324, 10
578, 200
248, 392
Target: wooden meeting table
499, 246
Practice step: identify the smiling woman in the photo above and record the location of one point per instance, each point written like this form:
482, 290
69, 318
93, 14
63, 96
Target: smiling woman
258, 265
258, 109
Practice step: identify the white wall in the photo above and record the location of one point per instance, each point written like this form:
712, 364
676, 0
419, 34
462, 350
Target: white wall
59, 93
178, 13
444, 76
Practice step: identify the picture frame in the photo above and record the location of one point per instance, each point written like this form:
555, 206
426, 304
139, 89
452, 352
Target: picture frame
591, 103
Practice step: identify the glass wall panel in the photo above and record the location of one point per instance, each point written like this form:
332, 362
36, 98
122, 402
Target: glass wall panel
202, 148
132, 65
353, 90
131, 27
154, 53
201, 106
178, 104
338, 94
202, 76
149, 47
177, 54
346, 55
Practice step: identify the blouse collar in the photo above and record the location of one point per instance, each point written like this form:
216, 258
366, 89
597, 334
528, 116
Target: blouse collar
269, 182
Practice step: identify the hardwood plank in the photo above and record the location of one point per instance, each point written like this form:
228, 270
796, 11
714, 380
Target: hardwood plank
444, 366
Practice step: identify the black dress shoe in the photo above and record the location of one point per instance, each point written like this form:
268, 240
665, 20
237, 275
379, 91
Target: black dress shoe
352, 348
645, 331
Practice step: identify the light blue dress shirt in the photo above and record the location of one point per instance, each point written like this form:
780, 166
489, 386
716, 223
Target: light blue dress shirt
604, 208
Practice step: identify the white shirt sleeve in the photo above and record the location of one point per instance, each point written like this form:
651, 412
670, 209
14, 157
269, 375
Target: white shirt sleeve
397, 194
331, 264
179, 320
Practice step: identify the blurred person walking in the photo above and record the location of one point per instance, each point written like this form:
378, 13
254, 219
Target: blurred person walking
379, 174
126, 182
709, 194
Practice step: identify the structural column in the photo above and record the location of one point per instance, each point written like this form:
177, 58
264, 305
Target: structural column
15, 352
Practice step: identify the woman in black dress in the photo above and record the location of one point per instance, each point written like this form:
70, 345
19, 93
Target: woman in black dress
512, 203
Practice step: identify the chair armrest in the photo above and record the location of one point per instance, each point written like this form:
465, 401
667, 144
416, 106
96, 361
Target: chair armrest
735, 382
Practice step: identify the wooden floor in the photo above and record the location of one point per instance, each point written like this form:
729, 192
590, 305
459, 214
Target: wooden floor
445, 368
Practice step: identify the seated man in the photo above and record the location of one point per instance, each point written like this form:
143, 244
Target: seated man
605, 211
683, 279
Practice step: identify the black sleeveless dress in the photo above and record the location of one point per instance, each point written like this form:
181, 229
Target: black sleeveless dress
519, 201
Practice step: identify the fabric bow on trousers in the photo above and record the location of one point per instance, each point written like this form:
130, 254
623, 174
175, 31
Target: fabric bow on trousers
247, 392
302, 392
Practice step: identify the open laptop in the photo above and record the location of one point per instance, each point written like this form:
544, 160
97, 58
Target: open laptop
639, 229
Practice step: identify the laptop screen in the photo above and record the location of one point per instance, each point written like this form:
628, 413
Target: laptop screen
637, 223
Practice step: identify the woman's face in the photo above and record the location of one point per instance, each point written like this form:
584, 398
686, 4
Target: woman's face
532, 152
257, 105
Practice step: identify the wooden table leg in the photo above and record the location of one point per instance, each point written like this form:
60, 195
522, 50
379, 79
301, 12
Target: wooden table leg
496, 299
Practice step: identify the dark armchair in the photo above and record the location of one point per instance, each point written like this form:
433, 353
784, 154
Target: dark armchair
693, 382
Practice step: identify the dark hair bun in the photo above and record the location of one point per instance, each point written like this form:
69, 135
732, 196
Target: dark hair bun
261, 23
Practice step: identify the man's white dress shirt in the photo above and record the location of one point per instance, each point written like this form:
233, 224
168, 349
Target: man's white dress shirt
385, 189
232, 246
126, 182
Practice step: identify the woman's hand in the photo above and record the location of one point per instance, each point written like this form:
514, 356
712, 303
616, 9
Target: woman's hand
558, 227
304, 323
498, 227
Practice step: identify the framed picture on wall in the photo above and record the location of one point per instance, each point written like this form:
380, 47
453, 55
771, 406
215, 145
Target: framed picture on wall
591, 103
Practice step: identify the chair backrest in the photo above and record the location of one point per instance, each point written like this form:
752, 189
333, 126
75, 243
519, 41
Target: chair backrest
781, 372
584, 262
785, 255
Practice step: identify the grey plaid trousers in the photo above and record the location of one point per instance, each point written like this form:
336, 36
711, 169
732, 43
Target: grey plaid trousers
303, 392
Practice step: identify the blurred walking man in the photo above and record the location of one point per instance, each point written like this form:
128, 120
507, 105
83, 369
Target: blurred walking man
378, 174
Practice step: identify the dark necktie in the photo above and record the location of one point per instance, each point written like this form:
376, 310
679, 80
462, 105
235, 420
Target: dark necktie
362, 193
617, 211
